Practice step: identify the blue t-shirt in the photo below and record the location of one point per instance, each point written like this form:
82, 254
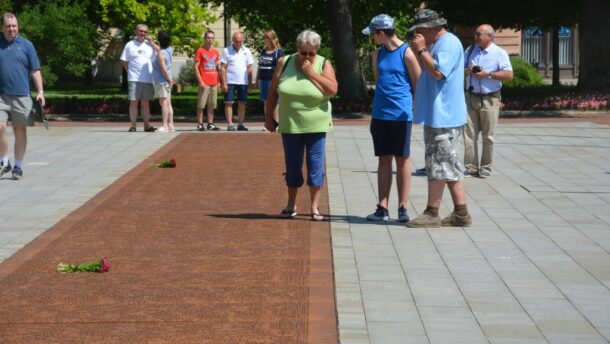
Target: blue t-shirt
441, 103
267, 63
17, 59
157, 76
393, 99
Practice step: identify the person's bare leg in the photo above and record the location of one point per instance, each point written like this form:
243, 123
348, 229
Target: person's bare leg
133, 112
199, 115
210, 114
21, 141
3, 139
292, 198
241, 112
435, 192
314, 196
458, 193
164, 111
229, 113
384, 179
170, 113
145, 110
403, 179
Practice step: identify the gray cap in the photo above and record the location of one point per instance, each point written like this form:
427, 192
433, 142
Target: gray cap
427, 18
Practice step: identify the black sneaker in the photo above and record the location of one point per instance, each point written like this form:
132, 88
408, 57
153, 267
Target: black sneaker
150, 129
17, 173
381, 214
200, 127
132, 129
212, 126
5, 169
242, 127
421, 171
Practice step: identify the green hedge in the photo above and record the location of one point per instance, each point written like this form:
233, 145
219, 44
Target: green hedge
524, 74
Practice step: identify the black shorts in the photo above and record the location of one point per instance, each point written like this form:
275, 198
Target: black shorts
391, 137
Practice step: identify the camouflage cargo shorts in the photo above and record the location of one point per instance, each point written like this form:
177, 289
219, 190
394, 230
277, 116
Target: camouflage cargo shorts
444, 152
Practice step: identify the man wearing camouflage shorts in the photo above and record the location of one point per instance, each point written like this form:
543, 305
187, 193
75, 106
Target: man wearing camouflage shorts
440, 106
18, 59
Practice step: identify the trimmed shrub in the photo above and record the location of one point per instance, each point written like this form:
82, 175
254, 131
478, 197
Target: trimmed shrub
524, 74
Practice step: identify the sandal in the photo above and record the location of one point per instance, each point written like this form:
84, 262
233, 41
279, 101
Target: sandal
317, 217
288, 214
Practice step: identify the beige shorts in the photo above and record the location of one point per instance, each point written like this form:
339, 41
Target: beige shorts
163, 90
140, 90
16, 108
207, 96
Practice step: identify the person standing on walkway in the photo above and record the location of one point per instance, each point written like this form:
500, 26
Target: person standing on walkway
304, 86
440, 106
18, 59
236, 75
162, 79
487, 65
207, 63
267, 61
396, 71
137, 61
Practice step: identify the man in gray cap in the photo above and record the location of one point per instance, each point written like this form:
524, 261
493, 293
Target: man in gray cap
440, 106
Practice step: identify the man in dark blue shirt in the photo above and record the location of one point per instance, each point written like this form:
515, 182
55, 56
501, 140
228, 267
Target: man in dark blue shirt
17, 60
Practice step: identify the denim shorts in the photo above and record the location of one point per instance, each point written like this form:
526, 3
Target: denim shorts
263, 89
443, 147
391, 137
312, 145
242, 93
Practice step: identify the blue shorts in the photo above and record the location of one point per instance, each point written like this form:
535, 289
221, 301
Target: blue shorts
313, 144
242, 93
391, 137
263, 89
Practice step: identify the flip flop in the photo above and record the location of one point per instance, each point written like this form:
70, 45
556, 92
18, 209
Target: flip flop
317, 217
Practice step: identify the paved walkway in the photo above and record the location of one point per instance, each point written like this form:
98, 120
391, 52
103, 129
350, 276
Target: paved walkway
534, 267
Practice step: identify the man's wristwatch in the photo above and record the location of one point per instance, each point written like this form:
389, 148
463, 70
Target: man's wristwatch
421, 51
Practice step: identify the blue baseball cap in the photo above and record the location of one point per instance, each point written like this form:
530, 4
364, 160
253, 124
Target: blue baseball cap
379, 22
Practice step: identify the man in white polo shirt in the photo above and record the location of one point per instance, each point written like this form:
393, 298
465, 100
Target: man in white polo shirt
137, 61
236, 75
486, 66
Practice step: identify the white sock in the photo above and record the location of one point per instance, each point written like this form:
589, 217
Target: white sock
18, 163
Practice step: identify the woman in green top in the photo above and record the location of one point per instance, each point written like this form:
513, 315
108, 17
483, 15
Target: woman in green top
304, 83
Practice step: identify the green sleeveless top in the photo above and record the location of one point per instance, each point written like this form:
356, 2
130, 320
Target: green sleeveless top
303, 107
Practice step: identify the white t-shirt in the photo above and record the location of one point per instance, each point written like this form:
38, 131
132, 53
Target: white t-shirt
237, 64
139, 56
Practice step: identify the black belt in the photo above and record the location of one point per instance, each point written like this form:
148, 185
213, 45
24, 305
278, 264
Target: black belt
484, 94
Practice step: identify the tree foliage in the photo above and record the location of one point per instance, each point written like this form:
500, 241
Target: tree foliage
185, 20
67, 43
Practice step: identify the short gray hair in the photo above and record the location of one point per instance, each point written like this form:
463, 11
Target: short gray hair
309, 37
8, 15
489, 30
140, 26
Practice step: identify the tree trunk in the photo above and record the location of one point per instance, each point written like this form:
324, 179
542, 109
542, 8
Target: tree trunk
594, 30
349, 73
555, 52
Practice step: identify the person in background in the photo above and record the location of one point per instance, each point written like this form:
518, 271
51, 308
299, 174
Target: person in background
267, 61
162, 80
486, 66
396, 71
207, 62
304, 88
18, 59
440, 106
236, 76
137, 61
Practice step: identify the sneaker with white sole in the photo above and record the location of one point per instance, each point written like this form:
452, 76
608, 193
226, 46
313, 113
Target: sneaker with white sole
17, 173
200, 127
455, 220
231, 127
381, 214
213, 127
403, 216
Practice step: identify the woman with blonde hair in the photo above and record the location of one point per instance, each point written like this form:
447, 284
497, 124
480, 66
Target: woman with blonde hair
268, 58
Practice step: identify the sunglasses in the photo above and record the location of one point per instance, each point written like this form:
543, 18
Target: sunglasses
307, 53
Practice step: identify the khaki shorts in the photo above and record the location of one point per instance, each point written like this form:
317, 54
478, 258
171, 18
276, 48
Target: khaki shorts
140, 91
163, 90
16, 108
207, 96
443, 149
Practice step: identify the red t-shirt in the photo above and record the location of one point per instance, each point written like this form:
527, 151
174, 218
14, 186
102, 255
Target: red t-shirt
208, 60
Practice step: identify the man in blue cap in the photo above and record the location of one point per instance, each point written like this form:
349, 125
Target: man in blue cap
440, 106
396, 71
17, 60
